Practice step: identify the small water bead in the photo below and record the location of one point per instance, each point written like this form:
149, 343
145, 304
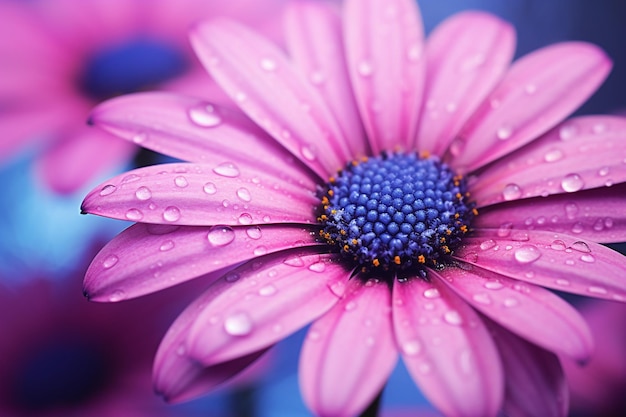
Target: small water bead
482, 298
220, 235
204, 115
562, 282
553, 155
510, 302
527, 254
580, 246
453, 317
244, 194
143, 193
166, 246
511, 192
209, 188
309, 152
259, 250
317, 78
597, 290
238, 324
227, 169
110, 261
588, 258
487, 244
294, 260
268, 64
254, 232
432, 293
558, 245
350, 305
317, 267
117, 295
181, 182
504, 132
140, 138
572, 183
530, 89
134, 215
107, 190
171, 214
568, 131
493, 285
267, 290
505, 230
411, 347
365, 69
245, 218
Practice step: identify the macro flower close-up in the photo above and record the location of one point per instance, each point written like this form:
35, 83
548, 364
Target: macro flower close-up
59, 58
422, 199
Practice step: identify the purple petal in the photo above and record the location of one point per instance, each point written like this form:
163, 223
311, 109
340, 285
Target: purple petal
596, 214
466, 56
262, 302
146, 258
551, 260
266, 86
314, 38
349, 352
582, 153
532, 312
384, 49
539, 90
231, 193
194, 130
447, 349
535, 383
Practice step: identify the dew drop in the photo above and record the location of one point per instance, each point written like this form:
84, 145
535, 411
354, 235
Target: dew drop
603, 172
580, 246
143, 193
110, 261
130, 178
562, 282
414, 52
171, 214
504, 132
294, 260
511, 192
308, 152
245, 218
350, 305
493, 285
181, 182
558, 245
530, 89
220, 235
365, 68
567, 132
238, 324
453, 317
487, 244
588, 258
267, 290
431, 293
482, 298
254, 232
204, 115
577, 228
526, 254
117, 295
268, 64
140, 138
227, 169
597, 290
107, 189
209, 188
553, 155
317, 78
411, 347
505, 229
572, 183
232, 277
260, 250
134, 215
166, 246
510, 302
317, 267
338, 288
244, 194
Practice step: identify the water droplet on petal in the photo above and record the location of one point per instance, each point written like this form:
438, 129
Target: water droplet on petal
365, 68
171, 214
166, 246
245, 218
309, 152
482, 298
562, 282
411, 348
227, 169
244, 194
107, 189
317, 267
597, 290
268, 64
143, 193
567, 132
431, 293
558, 245
181, 182
254, 232
220, 235
110, 261
204, 115
504, 132
511, 192
350, 305
553, 155
317, 78
453, 317
580, 246
134, 215
510, 302
294, 260
572, 183
117, 295
505, 229
493, 285
487, 244
603, 172
588, 258
260, 250
526, 254
210, 188
238, 324
267, 290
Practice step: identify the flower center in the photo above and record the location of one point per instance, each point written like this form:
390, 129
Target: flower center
131, 67
396, 212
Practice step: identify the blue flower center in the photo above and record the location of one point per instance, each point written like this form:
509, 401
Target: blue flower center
134, 66
400, 212
63, 374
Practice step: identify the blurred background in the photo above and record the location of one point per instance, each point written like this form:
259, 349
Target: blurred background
64, 356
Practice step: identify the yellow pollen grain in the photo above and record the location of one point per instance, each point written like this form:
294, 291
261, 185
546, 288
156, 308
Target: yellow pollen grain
457, 215
331, 193
459, 195
354, 241
464, 229
346, 248
425, 154
364, 159
325, 201
323, 217
343, 232
333, 211
448, 232
446, 249
376, 262
475, 211
396, 260
332, 180
421, 259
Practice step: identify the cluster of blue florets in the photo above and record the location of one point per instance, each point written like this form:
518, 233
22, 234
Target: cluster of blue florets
396, 211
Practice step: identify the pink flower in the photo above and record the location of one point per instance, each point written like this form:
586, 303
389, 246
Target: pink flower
410, 199
58, 58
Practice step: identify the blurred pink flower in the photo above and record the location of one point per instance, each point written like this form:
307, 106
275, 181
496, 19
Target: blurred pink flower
598, 387
409, 198
58, 58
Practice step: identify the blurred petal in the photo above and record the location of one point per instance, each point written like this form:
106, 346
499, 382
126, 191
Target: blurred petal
314, 37
262, 302
582, 153
194, 194
447, 349
194, 130
147, 258
540, 90
266, 86
466, 57
531, 312
551, 260
535, 383
384, 49
349, 352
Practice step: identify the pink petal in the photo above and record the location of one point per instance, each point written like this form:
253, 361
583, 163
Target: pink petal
384, 49
314, 37
203, 195
598, 214
531, 312
539, 90
147, 258
582, 153
535, 383
466, 56
194, 130
267, 87
81, 156
349, 353
558, 261
447, 349
262, 302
